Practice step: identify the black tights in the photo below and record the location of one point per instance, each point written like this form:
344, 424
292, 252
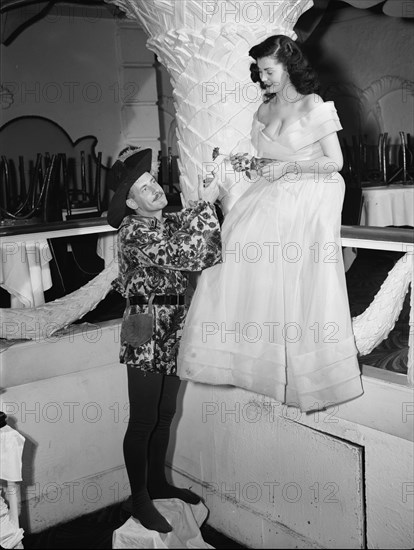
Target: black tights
152, 399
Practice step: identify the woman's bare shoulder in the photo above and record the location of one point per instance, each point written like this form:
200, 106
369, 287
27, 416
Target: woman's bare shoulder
310, 101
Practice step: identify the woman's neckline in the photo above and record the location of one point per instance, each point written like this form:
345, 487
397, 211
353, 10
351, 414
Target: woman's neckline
285, 127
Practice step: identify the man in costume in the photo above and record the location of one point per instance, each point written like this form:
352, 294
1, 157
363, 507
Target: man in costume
155, 254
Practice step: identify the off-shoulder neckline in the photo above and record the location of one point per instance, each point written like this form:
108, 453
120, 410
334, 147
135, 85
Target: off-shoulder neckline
308, 114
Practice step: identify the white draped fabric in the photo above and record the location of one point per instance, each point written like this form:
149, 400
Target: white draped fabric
25, 272
388, 205
184, 518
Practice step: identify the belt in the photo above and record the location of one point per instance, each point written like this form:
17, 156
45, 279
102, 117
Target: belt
162, 299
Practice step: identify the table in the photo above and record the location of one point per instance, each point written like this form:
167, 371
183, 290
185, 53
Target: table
25, 255
388, 205
25, 272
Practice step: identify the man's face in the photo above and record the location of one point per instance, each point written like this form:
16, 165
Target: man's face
146, 196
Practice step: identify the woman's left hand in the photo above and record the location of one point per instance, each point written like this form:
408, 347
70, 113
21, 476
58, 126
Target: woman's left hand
240, 161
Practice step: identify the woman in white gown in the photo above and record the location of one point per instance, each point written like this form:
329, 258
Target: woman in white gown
274, 317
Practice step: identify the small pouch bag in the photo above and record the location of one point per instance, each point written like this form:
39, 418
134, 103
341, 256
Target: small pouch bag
137, 328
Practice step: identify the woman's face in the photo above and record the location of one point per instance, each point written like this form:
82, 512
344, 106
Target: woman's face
273, 74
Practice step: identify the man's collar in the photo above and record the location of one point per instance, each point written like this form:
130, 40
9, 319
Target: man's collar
151, 221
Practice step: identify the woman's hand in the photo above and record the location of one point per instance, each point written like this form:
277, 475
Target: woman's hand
240, 161
243, 162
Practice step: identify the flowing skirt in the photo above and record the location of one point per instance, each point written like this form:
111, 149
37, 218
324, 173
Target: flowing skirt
274, 316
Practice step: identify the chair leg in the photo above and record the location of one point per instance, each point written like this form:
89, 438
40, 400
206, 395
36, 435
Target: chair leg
65, 179
6, 173
22, 176
97, 193
50, 203
83, 176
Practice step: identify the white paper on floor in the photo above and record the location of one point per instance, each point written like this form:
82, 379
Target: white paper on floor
10, 533
185, 519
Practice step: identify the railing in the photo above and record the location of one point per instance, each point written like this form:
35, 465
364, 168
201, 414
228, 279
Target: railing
378, 238
393, 239
53, 230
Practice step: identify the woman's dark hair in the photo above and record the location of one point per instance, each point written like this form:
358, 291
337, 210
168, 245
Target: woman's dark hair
286, 51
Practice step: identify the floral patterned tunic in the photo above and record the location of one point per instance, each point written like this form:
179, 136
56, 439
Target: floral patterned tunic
156, 258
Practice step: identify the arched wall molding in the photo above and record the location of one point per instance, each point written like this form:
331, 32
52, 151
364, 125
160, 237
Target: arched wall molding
368, 100
394, 8
372, 95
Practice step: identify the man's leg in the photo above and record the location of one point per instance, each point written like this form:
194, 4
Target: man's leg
158, 487
144, 390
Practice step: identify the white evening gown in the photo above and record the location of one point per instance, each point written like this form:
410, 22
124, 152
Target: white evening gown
274, 317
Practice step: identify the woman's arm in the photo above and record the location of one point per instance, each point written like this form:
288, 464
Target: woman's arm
331, 161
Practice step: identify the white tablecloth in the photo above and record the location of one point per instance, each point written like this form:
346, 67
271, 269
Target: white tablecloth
388, 205
25, 272
107, 245
107, 248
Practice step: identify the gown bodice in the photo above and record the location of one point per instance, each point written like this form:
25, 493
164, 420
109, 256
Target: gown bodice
299, 140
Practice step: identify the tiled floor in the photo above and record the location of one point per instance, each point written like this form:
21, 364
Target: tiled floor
95, 531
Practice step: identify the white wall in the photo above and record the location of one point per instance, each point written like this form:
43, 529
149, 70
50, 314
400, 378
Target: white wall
275, 477
68, 397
